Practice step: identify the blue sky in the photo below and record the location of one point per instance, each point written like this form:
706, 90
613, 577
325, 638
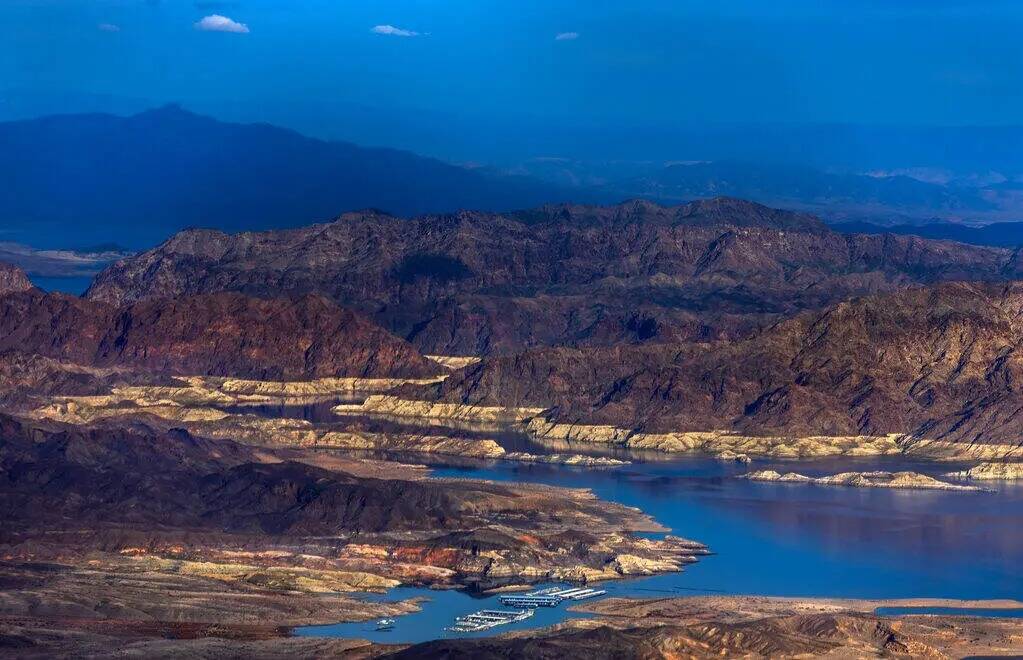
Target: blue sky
643, 61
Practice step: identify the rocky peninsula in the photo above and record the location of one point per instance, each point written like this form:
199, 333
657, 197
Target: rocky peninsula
878, 479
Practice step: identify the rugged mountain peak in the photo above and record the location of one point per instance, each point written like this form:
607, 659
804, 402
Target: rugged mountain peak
743, 213
196, 240
13, 279
473, 282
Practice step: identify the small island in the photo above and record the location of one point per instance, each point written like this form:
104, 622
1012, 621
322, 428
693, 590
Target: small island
880, 479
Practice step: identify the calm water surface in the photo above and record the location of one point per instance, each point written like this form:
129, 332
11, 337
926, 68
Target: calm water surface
769, 539
1002, 613
75, 286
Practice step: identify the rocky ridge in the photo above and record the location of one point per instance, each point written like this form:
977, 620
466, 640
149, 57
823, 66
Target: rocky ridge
226, 334
473, 283
930, 370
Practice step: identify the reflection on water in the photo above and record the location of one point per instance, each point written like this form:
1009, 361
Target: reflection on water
768, 538
316, 410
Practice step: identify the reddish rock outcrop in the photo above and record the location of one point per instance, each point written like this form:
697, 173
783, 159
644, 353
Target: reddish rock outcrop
225, 334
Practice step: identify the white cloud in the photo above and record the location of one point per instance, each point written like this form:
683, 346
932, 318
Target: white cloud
109, 27
566, 36
218, 23
393, 31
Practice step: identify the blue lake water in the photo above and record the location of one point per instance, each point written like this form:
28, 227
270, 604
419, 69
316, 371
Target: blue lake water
998, 612
75, 286
775, 539
768, 539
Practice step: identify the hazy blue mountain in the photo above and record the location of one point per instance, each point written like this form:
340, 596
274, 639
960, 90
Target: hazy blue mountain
753, 181
509, 140
71, 180
999, 234
836, 195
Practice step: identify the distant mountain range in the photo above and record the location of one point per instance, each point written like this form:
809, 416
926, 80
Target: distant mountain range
77, 179
505, 140
836, 196
1004, 234
73, 180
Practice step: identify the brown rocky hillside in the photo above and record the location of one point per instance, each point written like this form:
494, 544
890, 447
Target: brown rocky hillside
478, 283
941, 362
225, 334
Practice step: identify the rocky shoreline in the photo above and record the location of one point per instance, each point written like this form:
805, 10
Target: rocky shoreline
184, 407
394, 406
991, 472
231, 536
725, 444
695, 627
197, 398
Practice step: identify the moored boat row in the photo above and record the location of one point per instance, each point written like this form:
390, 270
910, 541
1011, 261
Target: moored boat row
486, 619
551, 597
524, 605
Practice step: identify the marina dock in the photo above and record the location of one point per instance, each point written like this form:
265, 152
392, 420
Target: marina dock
551, 597
524, 605
485, 619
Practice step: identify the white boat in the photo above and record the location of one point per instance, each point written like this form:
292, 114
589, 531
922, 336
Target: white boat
385, 624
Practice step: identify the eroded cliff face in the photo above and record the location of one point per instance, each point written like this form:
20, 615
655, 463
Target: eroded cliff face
225, 334
476, 283
936, 363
